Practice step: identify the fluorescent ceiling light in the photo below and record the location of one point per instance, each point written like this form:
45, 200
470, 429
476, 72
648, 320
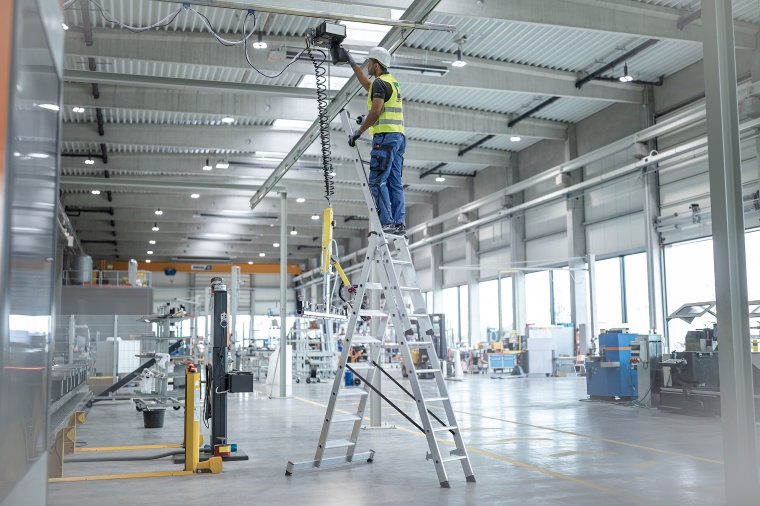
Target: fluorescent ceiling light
151, 242
38, 155
262, 254
95, 192
292, 124
228, 120
276, 154
195, 195
310, 81
300, 200
276, 245
515, 138
222, 165
314, 216
50, 107
364, 32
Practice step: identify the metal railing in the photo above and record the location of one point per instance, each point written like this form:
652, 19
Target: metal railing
106, 278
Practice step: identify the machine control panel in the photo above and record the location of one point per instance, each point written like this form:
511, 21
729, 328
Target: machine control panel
639, 354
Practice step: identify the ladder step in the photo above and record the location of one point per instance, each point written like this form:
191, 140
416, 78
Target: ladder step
445, 428
361, 366
339, 443
373, 286
365, 340
419, 344
409, 288
372, 312
452, 459
346, 418
415, 316
436, 399
352, 392
425, 371
400, 262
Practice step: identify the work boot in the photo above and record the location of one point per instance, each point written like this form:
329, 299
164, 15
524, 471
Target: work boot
390, 228
400, 230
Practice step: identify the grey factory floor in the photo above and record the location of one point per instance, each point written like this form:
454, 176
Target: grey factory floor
530, 440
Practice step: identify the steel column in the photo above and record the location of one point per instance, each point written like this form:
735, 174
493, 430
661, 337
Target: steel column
219, 328
283, 291
736, 390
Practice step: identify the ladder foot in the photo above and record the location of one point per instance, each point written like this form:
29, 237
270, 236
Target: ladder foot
471, 479
445, 484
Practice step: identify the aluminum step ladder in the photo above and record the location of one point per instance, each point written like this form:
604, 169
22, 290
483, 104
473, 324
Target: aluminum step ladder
389, 254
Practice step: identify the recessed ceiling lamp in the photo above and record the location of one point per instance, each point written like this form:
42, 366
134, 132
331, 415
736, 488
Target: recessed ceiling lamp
262, 254
151, 242
259, 44
314, 216
150, 252
95, 192
222, 164
228, 120
207, 166
195, 195
159, 212
155, 227
276, 245
626, 77
77, 109
147, 261
440, 178
49, 107
515, 138
294, 231
89, 161
300, 200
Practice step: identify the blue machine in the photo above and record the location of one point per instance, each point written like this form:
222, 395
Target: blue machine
610, 375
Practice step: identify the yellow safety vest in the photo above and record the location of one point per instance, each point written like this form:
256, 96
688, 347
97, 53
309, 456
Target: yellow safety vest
391, 117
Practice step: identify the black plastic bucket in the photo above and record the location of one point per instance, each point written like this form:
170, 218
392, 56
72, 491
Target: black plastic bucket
153, 418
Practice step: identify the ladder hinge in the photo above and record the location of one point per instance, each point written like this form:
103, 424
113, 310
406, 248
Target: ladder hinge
409, 332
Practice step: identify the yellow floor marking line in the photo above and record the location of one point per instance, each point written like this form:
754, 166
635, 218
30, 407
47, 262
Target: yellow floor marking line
510, 439
121, 476
515, 462
634, 466
125, 448
577, 434
569, 454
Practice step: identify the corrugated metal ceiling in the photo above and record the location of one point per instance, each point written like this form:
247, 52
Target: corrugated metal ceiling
744, 10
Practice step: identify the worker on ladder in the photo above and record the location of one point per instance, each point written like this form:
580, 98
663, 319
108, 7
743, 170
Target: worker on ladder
385, 121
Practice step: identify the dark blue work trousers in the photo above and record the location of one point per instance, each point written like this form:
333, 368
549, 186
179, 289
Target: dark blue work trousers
386, 166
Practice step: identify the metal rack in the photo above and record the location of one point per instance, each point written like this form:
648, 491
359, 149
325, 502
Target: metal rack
310, 353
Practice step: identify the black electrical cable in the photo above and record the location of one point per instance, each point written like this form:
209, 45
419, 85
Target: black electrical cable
207, 397
133, 29
324, 123
248, 59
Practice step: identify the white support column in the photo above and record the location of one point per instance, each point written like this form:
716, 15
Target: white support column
283, 292
517, 251
471, 258
736, 391
436, 261
755, 73
576, 238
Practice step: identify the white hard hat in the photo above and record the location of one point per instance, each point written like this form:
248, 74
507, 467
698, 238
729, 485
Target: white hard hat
381, 55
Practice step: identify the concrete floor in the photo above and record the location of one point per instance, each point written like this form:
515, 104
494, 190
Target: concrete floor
530, 441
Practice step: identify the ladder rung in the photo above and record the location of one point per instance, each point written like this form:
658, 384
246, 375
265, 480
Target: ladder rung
365, 340
346, 418
418, 315
352, 392
420, 344
436, 399
401, 262
445, 428
452, 459
371, 312
409, 288
423, 371
361, 366
373, 286
338, 443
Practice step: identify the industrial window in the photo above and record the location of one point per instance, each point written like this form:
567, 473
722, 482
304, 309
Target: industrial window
636, 293
489, 307
561, 297
507, 304
538, 298
609, 306
455, 306
689, 277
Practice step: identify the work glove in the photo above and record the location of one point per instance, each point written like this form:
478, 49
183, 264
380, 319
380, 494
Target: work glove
349, 58
353, 138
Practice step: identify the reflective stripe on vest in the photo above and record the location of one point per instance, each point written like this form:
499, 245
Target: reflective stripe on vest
391, 116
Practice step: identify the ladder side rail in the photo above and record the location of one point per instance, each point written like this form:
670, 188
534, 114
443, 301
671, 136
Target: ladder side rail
326, 423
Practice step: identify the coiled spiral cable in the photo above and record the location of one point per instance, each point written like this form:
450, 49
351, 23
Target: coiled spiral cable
324, 123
